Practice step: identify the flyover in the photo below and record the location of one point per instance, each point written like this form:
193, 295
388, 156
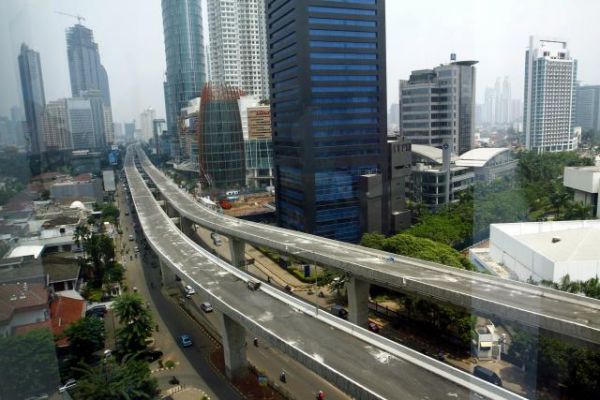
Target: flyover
532, 306
359, 362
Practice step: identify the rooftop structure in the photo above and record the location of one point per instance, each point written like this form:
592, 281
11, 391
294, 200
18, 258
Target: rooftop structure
489, 163
548, 250
21, 304
585, 182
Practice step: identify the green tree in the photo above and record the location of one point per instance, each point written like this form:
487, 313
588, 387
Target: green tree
110, 380
373, 240
85, 337
136, 321
28, 364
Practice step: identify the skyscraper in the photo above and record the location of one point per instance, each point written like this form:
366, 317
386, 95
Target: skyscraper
56, 125
89, 80
327, 66
182, 25
34, 99
238, 49
80, 123
588, 107
86, 70
550, 77
147, 118
438, 105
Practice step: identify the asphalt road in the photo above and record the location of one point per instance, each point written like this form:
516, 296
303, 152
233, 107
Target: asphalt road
533, 306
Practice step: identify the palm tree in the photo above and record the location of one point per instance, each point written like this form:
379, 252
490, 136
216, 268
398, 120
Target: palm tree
136, 321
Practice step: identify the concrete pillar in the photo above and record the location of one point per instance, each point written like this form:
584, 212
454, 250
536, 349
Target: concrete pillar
233, 336
187, 226
358, 301
168, 277
171, 212
237, 251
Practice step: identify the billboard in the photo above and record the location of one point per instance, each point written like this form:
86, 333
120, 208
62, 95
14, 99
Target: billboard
113, 157
259, 122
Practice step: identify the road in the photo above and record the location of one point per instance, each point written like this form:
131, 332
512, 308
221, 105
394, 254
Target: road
560, 312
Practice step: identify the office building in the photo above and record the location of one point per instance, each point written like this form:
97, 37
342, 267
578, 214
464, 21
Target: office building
394, 118
129, 128
185, 77
80, 123
220, 151
258, 145
439, 104
585, 184
550, 77
34, 99
159, 127
85, 69
147, 118
327, 66
237, 37
588, 108
56, 126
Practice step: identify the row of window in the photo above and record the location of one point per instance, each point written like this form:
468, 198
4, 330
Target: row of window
337, 33
343, 67
344, 89
345, 132
342, 22
345, 110
343, 78
344, 56
340, 10
343, 45
351, 121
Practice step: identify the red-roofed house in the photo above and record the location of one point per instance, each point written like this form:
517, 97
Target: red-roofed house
63, 312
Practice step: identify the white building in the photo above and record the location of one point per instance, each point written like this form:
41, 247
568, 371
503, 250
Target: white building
489, 163
238, 48
550, 82
547, 250
147, 118
585, 181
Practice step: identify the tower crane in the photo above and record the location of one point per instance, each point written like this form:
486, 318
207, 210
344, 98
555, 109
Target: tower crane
79, 17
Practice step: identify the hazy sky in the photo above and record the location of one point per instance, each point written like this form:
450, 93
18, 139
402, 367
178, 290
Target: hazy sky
420, 34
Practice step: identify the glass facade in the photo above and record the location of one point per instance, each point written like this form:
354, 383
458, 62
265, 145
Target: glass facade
342, 46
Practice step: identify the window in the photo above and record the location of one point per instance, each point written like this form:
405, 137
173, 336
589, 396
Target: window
345, 22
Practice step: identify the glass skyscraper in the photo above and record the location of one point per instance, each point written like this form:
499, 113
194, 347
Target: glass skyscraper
182, 25
34, 99
328, 105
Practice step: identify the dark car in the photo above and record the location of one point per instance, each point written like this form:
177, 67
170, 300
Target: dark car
373, 327
339, 311
487, 375
97, 311
151, 355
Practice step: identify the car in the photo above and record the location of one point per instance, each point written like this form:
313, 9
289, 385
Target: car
206, 307
189, 291
253, 284
98, 311
136, 249
131, 238
151, 355
487, 375
126, 213
339, 311
185, 340
70, 384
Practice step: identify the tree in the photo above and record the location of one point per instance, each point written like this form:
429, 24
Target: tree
28, 364
136, 321
373, 240
85, 337
129, 379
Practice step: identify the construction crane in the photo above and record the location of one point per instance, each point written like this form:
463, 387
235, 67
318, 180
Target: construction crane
79, 17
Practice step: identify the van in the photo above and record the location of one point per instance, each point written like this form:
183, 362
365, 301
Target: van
487, 375
232, 193
253, 284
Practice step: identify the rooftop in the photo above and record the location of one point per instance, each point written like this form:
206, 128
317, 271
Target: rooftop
26, 250
479, 157
63, 312
430, 153
21, 296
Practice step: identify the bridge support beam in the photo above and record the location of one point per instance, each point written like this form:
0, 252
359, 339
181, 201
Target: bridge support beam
358, 301
187, 226
168, 277
237, 250
233, 336
171, 212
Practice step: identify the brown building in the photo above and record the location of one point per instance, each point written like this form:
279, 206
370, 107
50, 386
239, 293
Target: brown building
259, 122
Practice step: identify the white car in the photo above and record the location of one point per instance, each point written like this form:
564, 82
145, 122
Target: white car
206, 307
71, 383
189, 291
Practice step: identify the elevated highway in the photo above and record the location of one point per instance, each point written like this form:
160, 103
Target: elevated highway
363, 364
530, 305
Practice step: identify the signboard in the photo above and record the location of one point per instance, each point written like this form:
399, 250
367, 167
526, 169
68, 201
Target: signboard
113, 157
259, 122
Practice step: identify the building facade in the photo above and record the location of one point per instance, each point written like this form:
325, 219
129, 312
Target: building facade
439, 104
259, 147
185, 77
56, 126
238, 48
220, 138
327, 66
550, 78
34, 99
588, 107
147, 118
80, 123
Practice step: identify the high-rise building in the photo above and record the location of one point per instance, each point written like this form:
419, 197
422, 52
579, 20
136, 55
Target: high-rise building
394, 117
185, 77
588, 107
221, 156
439, 104
34, 99
237, 36
505, 102
147, 118
86, 70
327, 66
80, 123
56, 126
548, 115
159, 126
129, 128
